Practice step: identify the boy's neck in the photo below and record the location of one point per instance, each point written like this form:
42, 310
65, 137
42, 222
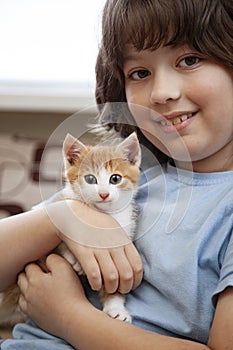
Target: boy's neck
219, 162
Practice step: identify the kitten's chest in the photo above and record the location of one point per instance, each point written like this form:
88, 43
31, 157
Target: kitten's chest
127, 220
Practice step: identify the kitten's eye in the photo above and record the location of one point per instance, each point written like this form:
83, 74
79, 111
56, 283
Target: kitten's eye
115, 179
90, 179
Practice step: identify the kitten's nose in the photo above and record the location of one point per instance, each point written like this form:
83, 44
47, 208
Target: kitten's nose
103, 195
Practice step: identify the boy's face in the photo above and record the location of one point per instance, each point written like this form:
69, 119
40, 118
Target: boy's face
187, 104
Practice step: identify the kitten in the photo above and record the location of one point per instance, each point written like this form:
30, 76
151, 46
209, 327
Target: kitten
105, 177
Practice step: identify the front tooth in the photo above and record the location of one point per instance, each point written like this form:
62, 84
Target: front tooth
176, 121
184, 117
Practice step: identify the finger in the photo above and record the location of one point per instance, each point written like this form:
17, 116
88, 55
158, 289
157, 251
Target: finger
90, 265
125, 271
136, 264
109, 271
22, 303
22, 282
31, 269
56, 263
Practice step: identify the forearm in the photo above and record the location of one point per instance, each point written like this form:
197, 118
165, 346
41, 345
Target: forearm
97, 330
60, 307
24, 238
29, 236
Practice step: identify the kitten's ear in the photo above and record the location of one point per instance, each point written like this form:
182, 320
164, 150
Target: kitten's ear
131, 148
72, 148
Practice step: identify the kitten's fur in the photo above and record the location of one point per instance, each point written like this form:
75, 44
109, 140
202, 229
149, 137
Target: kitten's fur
106, 178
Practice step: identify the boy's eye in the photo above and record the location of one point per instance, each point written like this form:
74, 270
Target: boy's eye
115, 179
189, 61
90, 179
139, 74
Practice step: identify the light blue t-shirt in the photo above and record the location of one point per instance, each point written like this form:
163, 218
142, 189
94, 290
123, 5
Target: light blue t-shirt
186, 245
185, 240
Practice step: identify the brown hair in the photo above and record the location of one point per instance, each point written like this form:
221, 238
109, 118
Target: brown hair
205, 25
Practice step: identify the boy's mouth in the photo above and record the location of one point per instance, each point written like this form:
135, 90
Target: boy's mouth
175, 120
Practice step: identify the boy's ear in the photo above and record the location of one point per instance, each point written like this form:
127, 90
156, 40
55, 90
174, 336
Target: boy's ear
131, 148
72, 148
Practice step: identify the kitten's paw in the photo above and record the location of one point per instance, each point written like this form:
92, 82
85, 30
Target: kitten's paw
118, 314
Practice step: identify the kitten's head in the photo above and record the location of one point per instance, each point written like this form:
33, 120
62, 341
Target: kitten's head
103, 176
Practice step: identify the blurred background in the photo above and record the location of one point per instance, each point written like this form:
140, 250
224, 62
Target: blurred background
47, 74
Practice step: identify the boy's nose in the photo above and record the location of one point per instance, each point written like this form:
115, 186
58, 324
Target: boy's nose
164, 88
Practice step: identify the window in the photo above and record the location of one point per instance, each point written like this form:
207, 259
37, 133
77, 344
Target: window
48, 52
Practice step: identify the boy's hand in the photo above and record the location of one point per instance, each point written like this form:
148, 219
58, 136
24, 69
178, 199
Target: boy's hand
49, 297
114, 268
100, 245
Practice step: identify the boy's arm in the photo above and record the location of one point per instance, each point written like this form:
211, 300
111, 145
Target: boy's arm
59, 306
24, 238
29, 236
221, 335
68, 314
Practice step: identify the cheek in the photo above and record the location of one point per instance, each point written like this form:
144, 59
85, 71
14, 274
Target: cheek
143, 115
134, 94
88, 192
214, 88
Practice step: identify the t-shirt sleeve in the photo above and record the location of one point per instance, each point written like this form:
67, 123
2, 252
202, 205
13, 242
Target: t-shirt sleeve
226, 272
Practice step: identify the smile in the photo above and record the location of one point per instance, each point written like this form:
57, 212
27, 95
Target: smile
176, 120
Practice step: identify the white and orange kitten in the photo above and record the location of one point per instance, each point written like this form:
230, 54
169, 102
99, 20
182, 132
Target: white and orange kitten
104, 177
